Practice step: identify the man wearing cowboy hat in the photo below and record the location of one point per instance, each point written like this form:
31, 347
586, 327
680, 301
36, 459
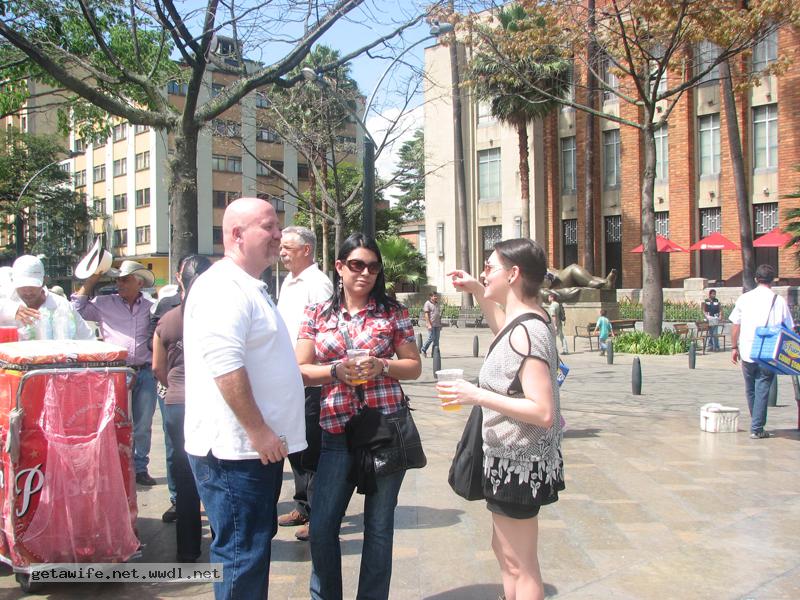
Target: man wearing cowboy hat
29, 302
124, 319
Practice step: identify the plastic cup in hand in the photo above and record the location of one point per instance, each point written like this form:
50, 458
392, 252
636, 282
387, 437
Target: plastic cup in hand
359, 356
449, 375
8, 334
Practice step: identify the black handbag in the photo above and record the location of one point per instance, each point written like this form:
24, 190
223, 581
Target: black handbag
404, 451
466, 470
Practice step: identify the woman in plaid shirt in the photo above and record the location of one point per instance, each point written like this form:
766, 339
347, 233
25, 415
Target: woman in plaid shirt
359, 311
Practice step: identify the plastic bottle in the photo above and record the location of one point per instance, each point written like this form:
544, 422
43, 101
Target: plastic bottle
44, 326
63, 324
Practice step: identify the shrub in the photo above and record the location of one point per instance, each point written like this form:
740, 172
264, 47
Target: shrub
677, 312
638, 342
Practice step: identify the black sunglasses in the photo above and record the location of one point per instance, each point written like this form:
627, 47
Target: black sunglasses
358, 266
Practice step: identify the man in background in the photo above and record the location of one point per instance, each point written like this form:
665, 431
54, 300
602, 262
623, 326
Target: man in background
433, 321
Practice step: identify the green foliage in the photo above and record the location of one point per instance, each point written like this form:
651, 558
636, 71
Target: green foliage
677, 312
639, 342
410, 177
401, 262
792, 216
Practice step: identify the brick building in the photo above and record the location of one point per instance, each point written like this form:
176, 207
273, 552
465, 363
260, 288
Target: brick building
694, 190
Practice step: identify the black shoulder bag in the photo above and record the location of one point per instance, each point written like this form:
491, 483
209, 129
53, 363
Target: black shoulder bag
383, 444
466, 470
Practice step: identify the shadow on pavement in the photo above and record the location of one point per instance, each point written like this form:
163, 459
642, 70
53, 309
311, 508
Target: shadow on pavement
482, 591
589, 432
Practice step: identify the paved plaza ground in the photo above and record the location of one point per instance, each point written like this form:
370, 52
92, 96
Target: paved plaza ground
654, 507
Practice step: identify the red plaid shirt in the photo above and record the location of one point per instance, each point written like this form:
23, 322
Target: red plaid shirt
375, 328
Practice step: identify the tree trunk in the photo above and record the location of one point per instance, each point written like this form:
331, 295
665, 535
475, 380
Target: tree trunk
183, 194
524, 177
458, 163
588, 148
312, 210
652, 292
737, 165
323, 209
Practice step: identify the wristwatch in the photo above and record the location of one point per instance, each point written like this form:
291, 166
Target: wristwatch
333, 371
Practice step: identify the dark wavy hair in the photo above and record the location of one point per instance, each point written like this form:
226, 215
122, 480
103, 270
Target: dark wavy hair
190, 268
378, 292
529, 258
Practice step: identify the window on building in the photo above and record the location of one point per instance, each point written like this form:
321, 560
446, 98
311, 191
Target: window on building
99, 205
569, 242
608, 78
662, 153
262, 101
710, 260
765, 52
569, 181
219, 162
120, 238
613, 247
178, 89
235, 164
64, 168
611, 158
219, 199
569, 94
765, 219
705, 55
489, 174
347, 140
143, 234
99, 173
765, 136
216, 89
120, 202
489, 237
120, 167
264, 134
137, 129
119, 132
80, 145
80, 178
662, 229
143, 161
708, 133
216, 235
142, 197
485, 113
223, 128
662, 223
302, 172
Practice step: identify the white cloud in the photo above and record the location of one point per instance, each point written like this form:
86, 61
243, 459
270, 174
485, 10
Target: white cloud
402, 128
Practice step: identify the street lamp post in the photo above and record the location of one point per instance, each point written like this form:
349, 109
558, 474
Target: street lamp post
19, 219
309, 74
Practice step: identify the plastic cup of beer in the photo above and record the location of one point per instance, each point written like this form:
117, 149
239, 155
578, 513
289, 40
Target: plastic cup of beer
359, 356
8, 334
449, 375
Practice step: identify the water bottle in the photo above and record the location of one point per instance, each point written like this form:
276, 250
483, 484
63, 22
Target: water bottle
63, 324
44, 326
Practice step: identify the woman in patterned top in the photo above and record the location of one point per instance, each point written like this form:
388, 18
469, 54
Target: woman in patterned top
518, 394
359, 315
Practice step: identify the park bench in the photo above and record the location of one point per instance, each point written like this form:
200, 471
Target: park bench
468, 317
584, 331
619, 325
704, 333
682, 329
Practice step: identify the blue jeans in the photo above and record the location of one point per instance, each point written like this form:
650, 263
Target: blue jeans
713, 339
757, 382
188, 529
240, 497
433, 338
143, 408
330, 505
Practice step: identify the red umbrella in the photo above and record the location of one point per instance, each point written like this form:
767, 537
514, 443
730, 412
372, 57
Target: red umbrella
662, 245
773, 239
715, 241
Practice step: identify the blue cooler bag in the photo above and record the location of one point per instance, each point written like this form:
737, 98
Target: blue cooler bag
777, 348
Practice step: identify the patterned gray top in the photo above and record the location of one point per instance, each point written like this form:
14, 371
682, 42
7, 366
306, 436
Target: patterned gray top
504, 437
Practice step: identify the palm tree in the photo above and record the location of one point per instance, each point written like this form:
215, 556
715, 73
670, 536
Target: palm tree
402, 263
793, 222
502, 85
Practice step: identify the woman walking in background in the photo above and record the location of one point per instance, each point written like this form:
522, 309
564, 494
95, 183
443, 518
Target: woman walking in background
518, 394
168, 369
359, 316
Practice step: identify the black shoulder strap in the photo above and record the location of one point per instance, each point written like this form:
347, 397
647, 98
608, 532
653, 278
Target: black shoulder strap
507, 328
771, 306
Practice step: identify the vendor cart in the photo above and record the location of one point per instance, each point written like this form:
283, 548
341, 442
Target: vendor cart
67, 487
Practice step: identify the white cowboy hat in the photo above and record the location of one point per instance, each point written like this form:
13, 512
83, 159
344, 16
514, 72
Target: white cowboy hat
97, 261
131, 267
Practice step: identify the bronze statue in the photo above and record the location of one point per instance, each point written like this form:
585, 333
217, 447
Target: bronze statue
567, 283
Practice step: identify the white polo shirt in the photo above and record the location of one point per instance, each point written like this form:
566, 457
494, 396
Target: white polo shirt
230, 322
752, 310
311, 286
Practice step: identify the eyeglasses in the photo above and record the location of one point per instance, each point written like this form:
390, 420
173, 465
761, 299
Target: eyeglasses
358, 266
489, 268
